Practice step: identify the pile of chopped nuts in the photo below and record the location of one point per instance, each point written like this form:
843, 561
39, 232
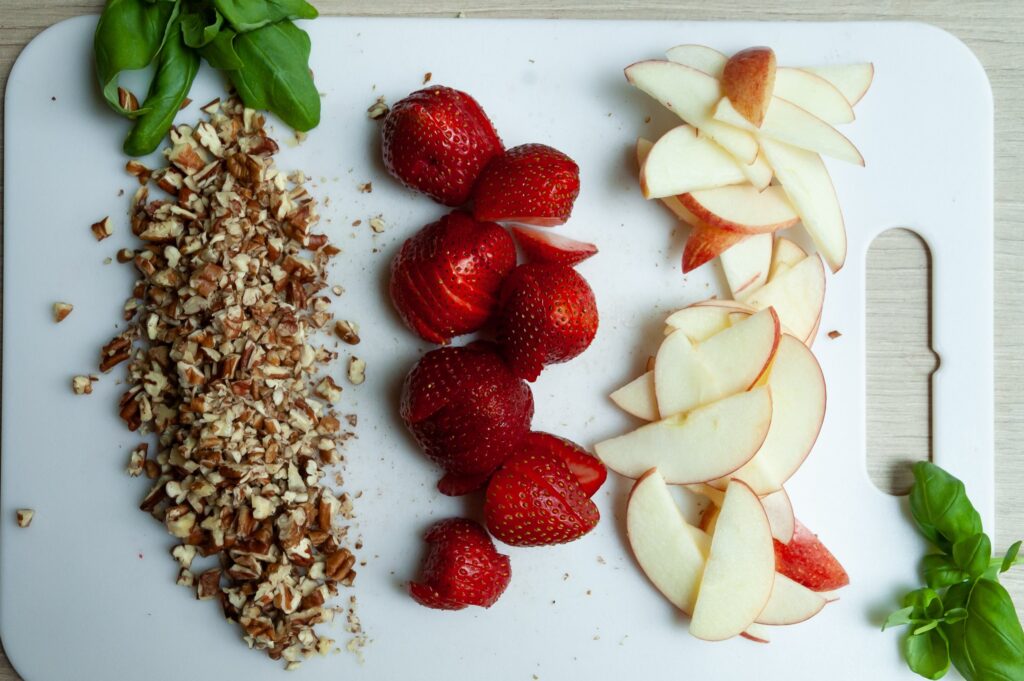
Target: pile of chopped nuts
223, 369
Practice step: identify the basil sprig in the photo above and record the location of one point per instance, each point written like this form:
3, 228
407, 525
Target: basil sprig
964, 616
254, 42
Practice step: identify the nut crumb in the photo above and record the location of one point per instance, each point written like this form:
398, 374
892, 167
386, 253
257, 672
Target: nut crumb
347, 331
82, 385
366, 187
356, 370
337, 290
102, 229
356, 223
137, 460
125, 99
834, 334
125, 255
427, 77
61, 311
377, 224
378, 109
24, 516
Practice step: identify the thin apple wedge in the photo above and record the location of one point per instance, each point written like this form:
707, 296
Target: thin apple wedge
669, 550
786, 122
637, 397
798, 397
681, 161
742, 208
759, 173
700, 57
691, 95
705, 243
740, 571
797, 295
810, 190
700, 322
785, 254
746, 265
814, 94
780, 514
790, 603
748, 80
853, 80
694, 447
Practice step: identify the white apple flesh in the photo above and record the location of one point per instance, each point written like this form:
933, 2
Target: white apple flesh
746, 265
681, 161
853, 80
785, 254
742, 208
790, 603
797, 295
814, 94
638, 398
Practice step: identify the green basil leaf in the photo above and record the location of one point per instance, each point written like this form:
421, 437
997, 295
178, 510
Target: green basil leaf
954, 615
988, 645
176, 69
220, 52
940, 571
129, 36
927, 654
275, 74
248, 15
926, 602
972, 555
1010, 559
899, 618
199, 28
941, 508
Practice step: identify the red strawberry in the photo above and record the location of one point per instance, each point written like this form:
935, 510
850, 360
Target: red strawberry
462, 567
547, 314
590, 473
437, 141
445, 278
545, 247
806, 560
533, 184
467, 411
534, 499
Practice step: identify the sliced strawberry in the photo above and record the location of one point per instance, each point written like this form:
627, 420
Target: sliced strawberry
466, 409
462, 567
806, 561
547, 314
455, 485
547, 247
590, 473
437, 141
445, 279
533, 184
534, 500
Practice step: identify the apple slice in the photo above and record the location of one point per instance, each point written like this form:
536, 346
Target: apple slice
797, 296
758, 173
756, 633
701, 322
705, 243
853, 80
790, 603
700, 57
742, 208
637, 398
787, 122
682, 161
692, 95
814, 94
806, 561
798, 396
785, 254
669, 550
740, 569
687, 376
747, 263
540, 246
780, 515
694, 447
748, 80
809, 187
714, 495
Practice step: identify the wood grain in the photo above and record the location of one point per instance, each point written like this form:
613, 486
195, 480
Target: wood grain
993, 29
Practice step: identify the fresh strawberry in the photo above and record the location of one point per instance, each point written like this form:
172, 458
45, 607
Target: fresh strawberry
806, 561
547, 314
532, 184
534, 500
462, 567
546, 247
445, 278
590, 473
437, 141
468, 412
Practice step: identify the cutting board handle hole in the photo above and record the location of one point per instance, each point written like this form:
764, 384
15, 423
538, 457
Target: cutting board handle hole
900, 359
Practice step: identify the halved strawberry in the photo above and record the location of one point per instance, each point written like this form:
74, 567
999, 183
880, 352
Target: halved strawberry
534, 500
548, 247
533, 184
547, 314
437, 141
468, 412
445, 278
462, 567
590, 473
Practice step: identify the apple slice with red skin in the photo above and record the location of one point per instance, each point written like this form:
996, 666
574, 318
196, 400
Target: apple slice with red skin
785, 254
790, 603
682, 161
806, 561
853, 80
742, 208
814, 94
706, 243
797, 295
540, 246
746, 265
748, 80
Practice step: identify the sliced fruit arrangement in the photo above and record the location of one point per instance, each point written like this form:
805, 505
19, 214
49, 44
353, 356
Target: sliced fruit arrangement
747, 160
470, 408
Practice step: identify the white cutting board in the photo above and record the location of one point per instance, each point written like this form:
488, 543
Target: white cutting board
87, 593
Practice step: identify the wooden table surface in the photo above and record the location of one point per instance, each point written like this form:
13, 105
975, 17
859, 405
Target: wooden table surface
899, 360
